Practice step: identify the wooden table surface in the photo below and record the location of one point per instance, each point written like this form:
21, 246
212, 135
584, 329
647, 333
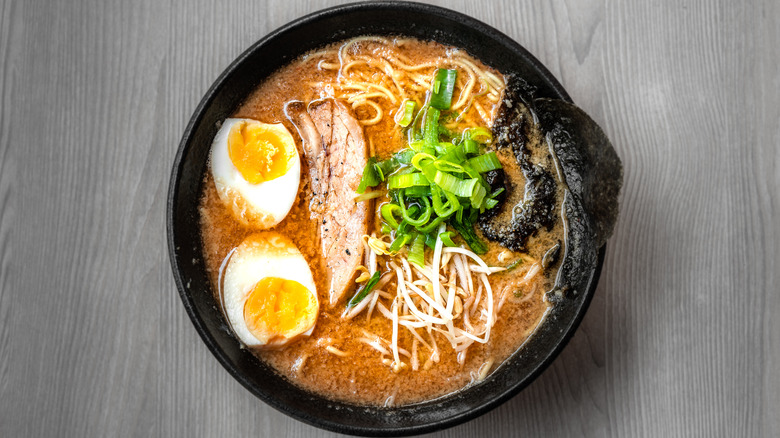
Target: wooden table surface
682, 337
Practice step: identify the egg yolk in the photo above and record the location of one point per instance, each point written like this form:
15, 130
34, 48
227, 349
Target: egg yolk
278, 307
260, 152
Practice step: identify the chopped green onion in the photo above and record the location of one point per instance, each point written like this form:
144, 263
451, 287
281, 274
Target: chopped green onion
430, 240
446, 238
411, 211
389, 212
432, 225
514, 264
455, 155
470, 146
417, 192
368, 195
429, 170
417, 161
438, 179
466, 230
447, 166
414, 134
404, 170
417, 251
498, 191
385, 229
443, 130
364, 290
467, 188
404, 227
400, 241
370, 176
443, 86
428, 150
406, 180
442, 147
386, 167
424, 217
444, 210
471, 172
431, 128
404, 157
408, 114
455, 185
446, 181
485, 163
479, 134
417, 145
477, 196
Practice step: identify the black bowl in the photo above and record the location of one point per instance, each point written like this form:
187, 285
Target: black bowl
230, 89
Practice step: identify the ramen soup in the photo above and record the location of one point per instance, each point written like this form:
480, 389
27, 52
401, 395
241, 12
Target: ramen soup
375, 228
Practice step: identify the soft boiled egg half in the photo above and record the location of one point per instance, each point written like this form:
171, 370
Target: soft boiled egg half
256, 169
268, 292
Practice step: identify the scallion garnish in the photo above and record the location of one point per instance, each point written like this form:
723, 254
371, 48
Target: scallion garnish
490, 203
477, 196
389, 212
408, 114
443, 86
485, 163
425, 212
446, 238
370, 176
479, 134
437, 179
446, 209
418, 192
404, 157
365, 290
401, 239
514, 264
407, 180
431, 128
465, 228
470, 146
368, 195
416, 252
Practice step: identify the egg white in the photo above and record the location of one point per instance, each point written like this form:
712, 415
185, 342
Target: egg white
261, 255
260, 205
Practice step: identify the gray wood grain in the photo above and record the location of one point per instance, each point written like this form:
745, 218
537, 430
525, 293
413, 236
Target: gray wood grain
682, 338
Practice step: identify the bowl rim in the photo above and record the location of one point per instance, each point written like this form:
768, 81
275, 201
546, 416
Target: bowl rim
173, 192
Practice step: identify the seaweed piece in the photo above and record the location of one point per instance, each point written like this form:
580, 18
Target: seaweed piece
592, 168
555, 145
593, 175
531, 206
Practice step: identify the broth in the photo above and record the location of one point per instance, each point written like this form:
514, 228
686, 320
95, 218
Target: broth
360, 375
